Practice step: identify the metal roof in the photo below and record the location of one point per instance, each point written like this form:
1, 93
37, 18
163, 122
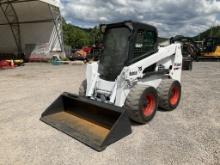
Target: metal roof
28, 22
52, 2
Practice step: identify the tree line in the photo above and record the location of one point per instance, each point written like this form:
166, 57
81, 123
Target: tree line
211, 32
77, 37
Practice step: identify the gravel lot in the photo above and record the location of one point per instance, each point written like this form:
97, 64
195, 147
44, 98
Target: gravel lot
188, 135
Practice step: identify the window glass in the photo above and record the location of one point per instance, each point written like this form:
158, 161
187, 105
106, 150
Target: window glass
144, 43
115, 53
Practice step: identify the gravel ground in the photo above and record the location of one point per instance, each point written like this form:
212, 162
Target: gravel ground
188, 135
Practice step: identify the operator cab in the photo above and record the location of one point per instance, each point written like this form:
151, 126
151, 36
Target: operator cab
211, 43
124, 44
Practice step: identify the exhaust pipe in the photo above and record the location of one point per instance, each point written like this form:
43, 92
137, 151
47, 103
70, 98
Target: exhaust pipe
93, 123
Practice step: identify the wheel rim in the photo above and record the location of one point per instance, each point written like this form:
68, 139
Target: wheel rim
175, 95
150, 106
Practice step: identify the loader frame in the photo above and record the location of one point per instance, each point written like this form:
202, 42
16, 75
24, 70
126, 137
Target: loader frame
170, 58
148, 69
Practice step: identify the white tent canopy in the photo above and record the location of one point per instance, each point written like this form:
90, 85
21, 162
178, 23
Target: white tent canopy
29, 22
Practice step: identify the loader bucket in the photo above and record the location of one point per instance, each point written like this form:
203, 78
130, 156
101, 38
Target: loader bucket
93, 123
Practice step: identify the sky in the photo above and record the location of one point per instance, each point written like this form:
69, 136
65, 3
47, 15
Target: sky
171, 17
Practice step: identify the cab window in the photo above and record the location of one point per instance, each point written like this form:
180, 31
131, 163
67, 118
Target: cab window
144, 43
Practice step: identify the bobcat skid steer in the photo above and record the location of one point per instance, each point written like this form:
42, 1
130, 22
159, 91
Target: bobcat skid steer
130, 81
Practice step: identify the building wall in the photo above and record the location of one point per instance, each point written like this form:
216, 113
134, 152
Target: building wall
31, 33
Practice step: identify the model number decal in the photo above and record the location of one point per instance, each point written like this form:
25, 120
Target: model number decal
133, 73
177, 64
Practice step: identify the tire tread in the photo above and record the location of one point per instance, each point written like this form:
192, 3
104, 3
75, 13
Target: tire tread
82, 88
132, 103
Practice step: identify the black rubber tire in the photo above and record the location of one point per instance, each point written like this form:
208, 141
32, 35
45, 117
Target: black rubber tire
82, 88
136, 101
188, 67
165, 93
191, 66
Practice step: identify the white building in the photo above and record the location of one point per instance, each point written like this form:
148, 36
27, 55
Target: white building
30, 27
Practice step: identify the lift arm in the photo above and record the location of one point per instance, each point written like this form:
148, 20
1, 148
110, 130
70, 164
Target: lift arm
170, 57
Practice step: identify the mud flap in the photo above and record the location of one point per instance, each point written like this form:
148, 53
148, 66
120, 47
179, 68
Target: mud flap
93, 123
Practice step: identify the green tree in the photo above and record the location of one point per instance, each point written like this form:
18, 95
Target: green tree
96, 35
77, 37
211, 32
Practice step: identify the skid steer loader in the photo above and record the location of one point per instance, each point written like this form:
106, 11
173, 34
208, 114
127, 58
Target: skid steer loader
130, 81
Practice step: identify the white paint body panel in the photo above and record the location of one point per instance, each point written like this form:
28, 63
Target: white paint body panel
169, 57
